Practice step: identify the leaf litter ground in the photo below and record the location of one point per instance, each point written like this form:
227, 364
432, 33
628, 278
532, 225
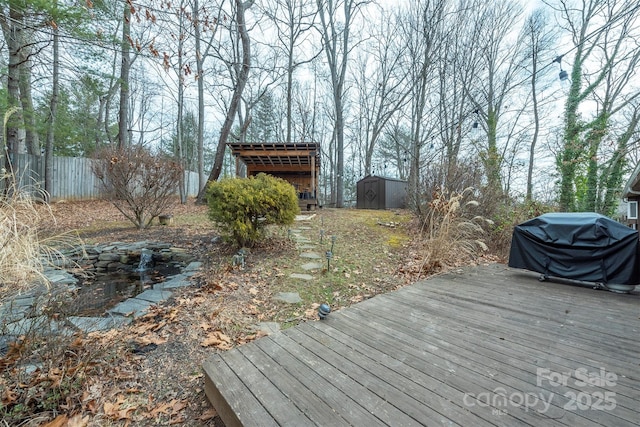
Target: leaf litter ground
149, 373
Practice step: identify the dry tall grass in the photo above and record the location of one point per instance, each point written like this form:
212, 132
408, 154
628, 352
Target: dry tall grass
21, 264
24, 252
450, 231
24, 256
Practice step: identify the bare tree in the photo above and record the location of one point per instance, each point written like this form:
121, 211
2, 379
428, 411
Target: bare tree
615, 96
458, 67
381, 83
293, 21
595, 25
125, 67
537, 39
423, 32
243, 75
491, 92
336, 22
53, 114
202, 22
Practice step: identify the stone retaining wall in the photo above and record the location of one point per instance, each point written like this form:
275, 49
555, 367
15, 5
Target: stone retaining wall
116, 256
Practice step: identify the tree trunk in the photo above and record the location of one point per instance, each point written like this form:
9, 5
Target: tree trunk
179, 130
32, 140
13, 117
202, 179
125, 68
243, 76
53, 111
536, 128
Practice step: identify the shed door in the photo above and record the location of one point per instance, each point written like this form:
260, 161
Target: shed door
371, 195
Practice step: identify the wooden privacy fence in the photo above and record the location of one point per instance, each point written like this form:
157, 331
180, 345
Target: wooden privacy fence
73, 177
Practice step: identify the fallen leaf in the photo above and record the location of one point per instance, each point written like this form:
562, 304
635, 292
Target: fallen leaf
208, 414
60, 421
115, 411
78, 421
150, 339
162, 408
178, 405
92, 406
178, 420
169, 408
9, 397
217, 339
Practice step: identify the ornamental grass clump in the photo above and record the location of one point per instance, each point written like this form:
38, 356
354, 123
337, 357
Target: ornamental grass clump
21, 263
450, 231
24, 251
243, 207
30, 335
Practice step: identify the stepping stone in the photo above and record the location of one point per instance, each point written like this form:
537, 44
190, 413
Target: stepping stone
302, 276
177, 281
268, 327
310, 255
29, 325
289, 297
307, 247
62, 278
132, 305
94, 324
193, 266
154, 295
312, 266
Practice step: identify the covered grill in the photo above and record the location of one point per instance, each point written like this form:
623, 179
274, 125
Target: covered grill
584, 247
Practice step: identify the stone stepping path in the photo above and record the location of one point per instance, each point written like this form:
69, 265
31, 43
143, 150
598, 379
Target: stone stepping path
312, 266
310, 255
268, 328
307, 247
289, 297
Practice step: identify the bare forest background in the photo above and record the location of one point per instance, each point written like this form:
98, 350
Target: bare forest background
523, 101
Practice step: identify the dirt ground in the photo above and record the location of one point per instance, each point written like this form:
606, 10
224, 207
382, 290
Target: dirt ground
150, 373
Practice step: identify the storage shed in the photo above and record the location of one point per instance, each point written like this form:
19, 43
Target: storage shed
376, 192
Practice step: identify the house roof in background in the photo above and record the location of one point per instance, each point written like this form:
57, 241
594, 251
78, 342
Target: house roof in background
632, 187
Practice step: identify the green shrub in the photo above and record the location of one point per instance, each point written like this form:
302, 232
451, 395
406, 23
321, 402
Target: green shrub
243, 207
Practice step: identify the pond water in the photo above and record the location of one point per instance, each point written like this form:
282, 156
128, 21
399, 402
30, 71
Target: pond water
103, 291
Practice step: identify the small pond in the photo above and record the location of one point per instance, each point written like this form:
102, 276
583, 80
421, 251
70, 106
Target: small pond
103, 291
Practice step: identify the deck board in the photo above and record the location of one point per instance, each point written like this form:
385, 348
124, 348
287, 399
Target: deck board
451, 350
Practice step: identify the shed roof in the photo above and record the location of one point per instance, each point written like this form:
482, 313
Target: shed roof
276, 153
383, 178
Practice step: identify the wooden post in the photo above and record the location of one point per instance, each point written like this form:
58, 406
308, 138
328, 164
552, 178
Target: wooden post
313, 175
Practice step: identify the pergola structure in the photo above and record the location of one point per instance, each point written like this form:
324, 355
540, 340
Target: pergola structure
295, 162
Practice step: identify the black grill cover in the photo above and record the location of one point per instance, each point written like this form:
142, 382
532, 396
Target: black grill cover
578, 246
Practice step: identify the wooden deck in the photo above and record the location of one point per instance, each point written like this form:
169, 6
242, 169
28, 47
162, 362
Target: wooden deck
484, 346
